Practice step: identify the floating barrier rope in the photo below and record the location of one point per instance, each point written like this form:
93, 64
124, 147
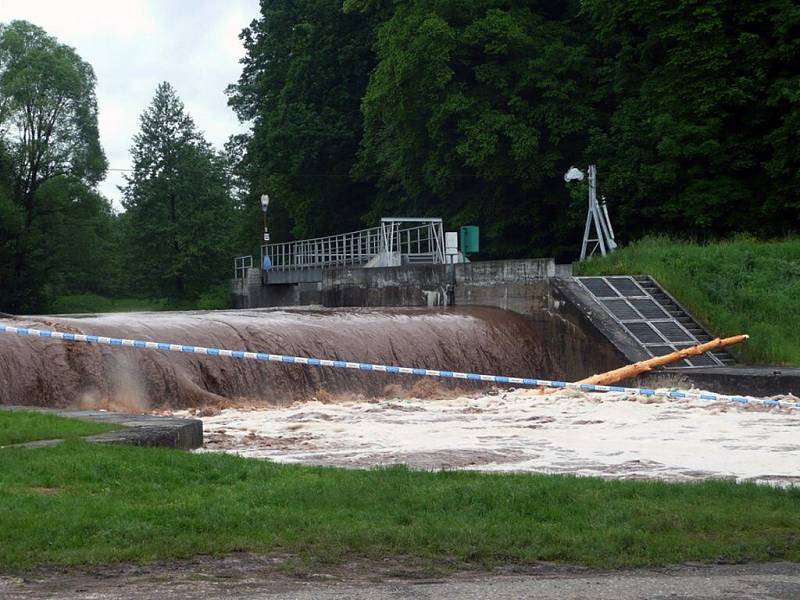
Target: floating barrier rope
359, 366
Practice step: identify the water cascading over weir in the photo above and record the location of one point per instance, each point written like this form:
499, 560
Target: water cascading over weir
46, 372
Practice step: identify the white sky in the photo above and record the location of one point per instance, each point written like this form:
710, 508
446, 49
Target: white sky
134, 45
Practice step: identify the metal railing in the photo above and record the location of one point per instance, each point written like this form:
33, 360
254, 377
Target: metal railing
415, 240
241, 265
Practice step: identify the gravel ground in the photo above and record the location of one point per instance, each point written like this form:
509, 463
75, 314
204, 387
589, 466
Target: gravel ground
249, 577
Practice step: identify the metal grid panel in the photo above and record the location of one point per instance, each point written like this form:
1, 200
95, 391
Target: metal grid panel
673, 332
626, 287
648, 308
621, 309
599, 288
703, 360
644, 332
645, 318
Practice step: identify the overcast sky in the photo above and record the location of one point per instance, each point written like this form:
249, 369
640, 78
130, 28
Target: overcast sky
133, 45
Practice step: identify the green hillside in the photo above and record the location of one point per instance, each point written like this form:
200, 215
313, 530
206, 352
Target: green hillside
737, 286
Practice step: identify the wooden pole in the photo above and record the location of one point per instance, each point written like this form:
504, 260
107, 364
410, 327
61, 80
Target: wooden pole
638, 368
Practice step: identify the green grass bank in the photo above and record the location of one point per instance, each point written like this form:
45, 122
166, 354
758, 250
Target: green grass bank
79, 503
737, 286
217, 298
17, 427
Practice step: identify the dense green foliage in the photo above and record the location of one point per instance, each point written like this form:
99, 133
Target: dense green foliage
475, 108
50, 160
703, 100
78, 503
61, 246
306, 68
17, 427
178, 209
738, 286
471, 110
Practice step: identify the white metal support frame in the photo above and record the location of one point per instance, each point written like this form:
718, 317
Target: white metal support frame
596, 216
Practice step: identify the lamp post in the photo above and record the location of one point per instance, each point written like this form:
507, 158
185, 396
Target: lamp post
264, 205
266, 262
597, 215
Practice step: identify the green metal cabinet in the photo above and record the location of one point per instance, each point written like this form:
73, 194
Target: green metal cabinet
469, 239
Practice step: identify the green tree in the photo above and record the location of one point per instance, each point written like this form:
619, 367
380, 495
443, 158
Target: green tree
704, 104
304, 75
474, 112
10, 225
72, 239
48, 135
50, 103
178, 205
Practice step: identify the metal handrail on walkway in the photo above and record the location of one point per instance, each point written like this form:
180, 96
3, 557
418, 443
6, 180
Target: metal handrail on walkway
241, 265
416, 240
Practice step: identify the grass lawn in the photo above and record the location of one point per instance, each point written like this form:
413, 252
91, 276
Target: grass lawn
738, 286
216, 298
17, 427
78, 503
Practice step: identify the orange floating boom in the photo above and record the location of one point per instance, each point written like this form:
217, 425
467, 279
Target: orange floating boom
635, 369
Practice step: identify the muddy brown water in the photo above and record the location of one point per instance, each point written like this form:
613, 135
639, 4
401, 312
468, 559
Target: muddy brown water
45, 372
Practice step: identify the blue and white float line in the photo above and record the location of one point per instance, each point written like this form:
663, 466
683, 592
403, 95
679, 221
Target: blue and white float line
360, 366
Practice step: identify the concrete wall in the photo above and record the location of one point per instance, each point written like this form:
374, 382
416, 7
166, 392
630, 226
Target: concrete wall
409, 285
250, 293
522, 286
518, 285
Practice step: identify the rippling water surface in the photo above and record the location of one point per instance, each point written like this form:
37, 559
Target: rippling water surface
54, 373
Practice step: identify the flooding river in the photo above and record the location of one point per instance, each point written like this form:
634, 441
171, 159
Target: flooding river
614, 436
313, 415
44, 372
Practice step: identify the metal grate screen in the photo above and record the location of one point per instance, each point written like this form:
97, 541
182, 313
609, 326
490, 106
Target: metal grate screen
645, 318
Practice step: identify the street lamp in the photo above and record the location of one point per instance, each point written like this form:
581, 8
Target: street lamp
266, 262
597, 215
264, 205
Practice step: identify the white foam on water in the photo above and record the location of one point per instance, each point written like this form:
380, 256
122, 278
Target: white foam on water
606, 435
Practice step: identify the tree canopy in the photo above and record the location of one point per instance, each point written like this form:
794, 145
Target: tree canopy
179, 210
473, 110
703, 114
49, 111
303, 78
49, 149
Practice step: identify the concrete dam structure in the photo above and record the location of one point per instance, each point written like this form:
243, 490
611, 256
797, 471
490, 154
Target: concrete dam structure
628, 319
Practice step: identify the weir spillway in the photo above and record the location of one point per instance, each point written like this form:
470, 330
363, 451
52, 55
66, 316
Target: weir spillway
54, 373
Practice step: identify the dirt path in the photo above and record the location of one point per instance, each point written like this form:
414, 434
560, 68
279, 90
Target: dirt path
251, 577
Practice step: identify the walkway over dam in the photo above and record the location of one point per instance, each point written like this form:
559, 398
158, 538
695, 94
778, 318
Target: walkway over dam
395, 242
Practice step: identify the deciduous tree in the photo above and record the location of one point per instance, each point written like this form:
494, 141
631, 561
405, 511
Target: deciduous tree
48, 137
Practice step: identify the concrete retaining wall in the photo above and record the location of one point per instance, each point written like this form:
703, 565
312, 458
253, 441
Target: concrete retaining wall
518, 285
255, 295
137, 430
409, 285
522, 286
